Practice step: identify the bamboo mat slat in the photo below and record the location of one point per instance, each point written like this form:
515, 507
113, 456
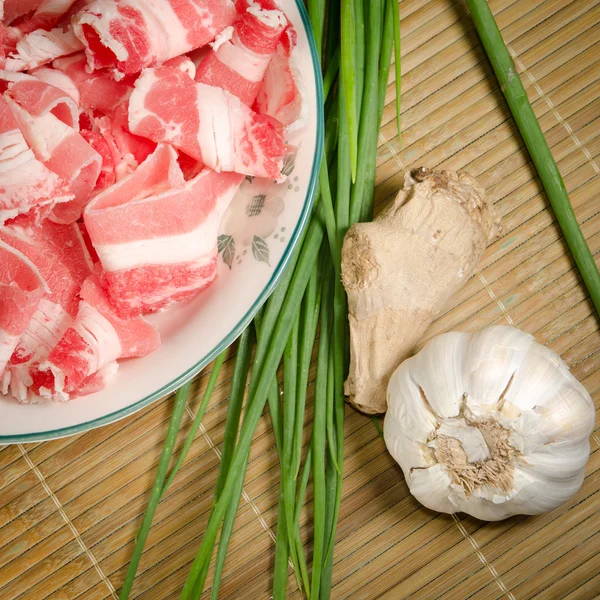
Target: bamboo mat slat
70, 508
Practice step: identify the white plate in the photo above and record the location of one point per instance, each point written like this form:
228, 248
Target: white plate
257, 238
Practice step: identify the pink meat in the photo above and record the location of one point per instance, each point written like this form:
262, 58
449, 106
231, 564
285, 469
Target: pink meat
156, 234
97, 338
183, 63
127, 143
122, 159
64, 151
206, 122
21, 289
39, 98
260, 25
98, 142
2, 45
25, 182
98, 381
13, 9
46, 17
279, 96
57, 79
128, 35
98, 90
121, 151
238, 64
59, 252
163, 108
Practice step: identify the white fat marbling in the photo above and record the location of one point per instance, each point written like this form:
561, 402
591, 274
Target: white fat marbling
168, 250
236, 56
99, 334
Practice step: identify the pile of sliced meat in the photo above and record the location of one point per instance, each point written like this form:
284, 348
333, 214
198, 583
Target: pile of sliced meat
126, 128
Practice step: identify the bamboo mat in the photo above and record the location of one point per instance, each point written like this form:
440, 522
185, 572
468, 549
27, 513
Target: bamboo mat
69, 509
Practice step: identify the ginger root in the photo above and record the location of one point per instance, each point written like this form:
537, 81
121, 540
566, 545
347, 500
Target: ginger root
400, 271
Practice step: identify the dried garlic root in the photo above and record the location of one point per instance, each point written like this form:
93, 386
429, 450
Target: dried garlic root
400, 271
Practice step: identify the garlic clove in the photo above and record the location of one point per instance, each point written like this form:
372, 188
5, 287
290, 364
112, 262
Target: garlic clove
568, 415
492, 357
493, 495
542, 493
536, 380
419, 456
491, 508
419, 422
558, 461
431, 488
439, 373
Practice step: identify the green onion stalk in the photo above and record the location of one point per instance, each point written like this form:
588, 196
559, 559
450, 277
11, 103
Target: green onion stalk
162, 481
309, 300
529, 127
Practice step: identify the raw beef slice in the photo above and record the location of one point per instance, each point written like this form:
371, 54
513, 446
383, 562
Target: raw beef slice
128, 35
242, 52
64, 151
98, 91
39, 98
25, 182
13, 9
41, 47
279, 96
206, 122
21, 289
60, 254
85, 356
156, 234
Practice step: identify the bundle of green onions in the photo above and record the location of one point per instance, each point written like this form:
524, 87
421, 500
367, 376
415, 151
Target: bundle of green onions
354, 39
308, 299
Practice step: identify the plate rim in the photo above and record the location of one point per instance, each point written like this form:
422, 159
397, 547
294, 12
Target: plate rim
247, 318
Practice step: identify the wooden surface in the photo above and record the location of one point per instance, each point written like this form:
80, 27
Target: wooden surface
69, 509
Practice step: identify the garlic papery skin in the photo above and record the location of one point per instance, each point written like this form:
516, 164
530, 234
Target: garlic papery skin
492, 424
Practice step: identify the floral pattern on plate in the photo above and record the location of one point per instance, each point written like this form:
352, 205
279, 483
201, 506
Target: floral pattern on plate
254, 215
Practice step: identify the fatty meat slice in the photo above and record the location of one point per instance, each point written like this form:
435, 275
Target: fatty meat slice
128, 35
21, 289
241, 53
98, 381
60, 254
280, 96
97, 338
163, 108
156, 234
39, 98
98, 91
121, 151
64, 151
58, 79
107, 175
46, 15
206, 122
114, 146
41, 47
132, 149
25, 183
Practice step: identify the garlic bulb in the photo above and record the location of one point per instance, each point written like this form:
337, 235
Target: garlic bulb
491, 424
